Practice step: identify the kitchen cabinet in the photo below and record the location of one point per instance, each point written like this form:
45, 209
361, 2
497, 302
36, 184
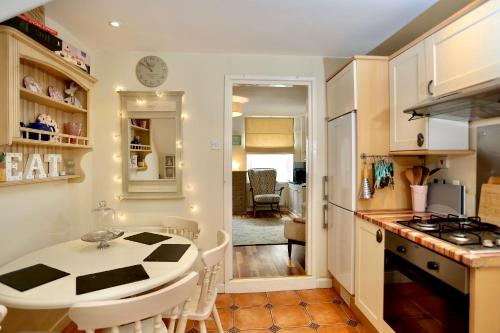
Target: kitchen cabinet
465, 52
341, 92
408, 86
369, 272
407, 79
296, 198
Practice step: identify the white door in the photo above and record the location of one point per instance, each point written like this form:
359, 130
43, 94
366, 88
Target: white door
342, 161
407, 88
341, 92
370, 272
341, 246
465, 52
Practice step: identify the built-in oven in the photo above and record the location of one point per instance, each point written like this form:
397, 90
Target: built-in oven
424, 292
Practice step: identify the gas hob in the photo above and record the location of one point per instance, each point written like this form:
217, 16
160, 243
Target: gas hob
469, 233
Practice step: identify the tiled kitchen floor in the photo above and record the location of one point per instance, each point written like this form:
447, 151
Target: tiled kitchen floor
303, 311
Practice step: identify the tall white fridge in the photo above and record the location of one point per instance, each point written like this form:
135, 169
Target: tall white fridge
342, 196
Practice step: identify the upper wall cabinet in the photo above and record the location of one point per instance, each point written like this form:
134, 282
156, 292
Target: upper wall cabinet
341, 92
407, 80
465, 52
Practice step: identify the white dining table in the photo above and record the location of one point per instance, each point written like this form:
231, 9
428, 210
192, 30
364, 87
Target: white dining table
78, 258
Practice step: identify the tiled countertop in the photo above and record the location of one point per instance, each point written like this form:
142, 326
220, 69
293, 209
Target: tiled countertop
387, 220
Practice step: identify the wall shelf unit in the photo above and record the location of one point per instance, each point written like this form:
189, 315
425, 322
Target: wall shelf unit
37, 181
21, 57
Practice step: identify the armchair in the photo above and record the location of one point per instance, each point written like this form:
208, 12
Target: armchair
263, 188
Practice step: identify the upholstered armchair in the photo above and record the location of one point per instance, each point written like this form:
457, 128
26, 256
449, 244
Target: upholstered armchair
263, 188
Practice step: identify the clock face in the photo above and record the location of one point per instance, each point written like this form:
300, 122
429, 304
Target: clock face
151, 71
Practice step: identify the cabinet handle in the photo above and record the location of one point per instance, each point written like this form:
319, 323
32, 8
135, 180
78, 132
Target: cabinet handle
379, 236
429, 91
432, 265
325, 188
401, 249
325, 212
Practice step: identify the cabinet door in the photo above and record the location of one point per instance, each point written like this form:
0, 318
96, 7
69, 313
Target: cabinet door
341, 92
465, 52
369, 296
407, 88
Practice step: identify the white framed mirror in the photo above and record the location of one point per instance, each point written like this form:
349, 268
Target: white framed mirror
151, 144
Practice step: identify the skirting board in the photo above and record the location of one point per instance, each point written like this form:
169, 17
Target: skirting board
274, 284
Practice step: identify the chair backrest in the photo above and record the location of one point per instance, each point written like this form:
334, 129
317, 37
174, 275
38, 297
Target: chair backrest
3, 313
212, 262
181, 226
262, 180
90, 316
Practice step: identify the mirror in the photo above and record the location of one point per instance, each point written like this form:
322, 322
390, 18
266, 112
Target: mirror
151, 145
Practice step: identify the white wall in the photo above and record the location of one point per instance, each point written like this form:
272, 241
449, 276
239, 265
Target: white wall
201, 76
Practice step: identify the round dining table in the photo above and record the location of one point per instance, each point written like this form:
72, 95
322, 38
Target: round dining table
79, 258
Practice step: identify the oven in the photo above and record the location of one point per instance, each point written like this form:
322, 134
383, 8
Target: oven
424, 292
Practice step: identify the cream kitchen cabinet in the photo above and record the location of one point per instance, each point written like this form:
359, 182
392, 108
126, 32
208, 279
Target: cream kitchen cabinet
369, 272
408, 86
465, 52
341, 92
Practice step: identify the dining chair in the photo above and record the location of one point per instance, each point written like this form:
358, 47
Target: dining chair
202, 303
136, 314
3, 313
181, 226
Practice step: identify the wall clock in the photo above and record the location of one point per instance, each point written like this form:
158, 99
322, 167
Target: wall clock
151, 71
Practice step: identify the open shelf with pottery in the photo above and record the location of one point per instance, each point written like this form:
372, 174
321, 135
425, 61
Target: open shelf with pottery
140, 146
44, 106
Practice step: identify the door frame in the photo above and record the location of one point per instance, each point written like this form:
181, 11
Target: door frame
275, 283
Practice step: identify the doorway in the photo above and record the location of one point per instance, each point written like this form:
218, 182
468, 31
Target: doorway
267, 168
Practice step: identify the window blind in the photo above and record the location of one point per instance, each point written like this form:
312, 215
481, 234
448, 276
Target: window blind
269, 135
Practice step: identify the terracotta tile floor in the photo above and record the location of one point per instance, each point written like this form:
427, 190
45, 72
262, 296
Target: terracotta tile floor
304, 311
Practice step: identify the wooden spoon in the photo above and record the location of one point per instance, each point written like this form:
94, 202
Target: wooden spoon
425, 175
417, 174
409, 176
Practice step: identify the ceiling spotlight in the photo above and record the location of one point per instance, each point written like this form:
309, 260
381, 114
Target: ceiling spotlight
114, 24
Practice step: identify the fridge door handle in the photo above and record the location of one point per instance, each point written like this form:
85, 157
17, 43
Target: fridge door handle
325, 187
325, 216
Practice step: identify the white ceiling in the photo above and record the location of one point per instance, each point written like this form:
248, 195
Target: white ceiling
338, 28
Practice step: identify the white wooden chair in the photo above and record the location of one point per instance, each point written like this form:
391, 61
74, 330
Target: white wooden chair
202, 303
138, 312
3, 313
181, 226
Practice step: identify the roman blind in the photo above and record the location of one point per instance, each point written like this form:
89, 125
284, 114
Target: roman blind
269, 135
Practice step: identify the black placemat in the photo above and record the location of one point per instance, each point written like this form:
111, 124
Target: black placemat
31, 277
147, 238
168, 252
108, 279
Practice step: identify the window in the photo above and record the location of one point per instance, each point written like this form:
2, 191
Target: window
283, 163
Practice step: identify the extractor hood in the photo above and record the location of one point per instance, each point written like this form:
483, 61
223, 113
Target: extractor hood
480, 101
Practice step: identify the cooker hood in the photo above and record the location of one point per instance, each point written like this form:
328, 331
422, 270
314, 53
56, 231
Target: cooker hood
480, 101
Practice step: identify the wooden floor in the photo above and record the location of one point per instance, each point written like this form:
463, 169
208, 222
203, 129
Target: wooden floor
267, 261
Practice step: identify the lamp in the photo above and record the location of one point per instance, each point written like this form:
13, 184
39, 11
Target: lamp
237, 109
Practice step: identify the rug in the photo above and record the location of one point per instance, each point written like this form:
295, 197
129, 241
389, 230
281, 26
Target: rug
259, 231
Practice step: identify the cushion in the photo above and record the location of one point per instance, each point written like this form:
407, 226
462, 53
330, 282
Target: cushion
295, 231
267, 198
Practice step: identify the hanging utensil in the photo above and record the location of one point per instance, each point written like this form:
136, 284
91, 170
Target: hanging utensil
365, 190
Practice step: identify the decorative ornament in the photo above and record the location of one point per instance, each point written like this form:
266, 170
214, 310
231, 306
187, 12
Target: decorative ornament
53, 160
72, 99
56, 94
32, 85
12, 161
34, 168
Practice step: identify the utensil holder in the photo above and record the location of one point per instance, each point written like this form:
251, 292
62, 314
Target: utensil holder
419, 198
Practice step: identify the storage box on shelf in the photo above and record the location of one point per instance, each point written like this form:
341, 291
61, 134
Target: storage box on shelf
20, 106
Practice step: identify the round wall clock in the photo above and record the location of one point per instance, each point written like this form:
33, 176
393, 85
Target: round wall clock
151, 71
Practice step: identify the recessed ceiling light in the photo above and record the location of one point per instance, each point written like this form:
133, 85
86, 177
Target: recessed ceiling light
114, 24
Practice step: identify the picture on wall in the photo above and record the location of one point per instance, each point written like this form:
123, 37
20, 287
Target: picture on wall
236, 140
